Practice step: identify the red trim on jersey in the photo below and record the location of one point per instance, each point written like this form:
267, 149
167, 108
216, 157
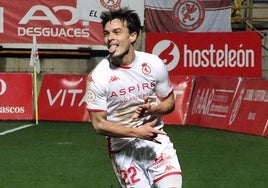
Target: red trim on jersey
109, 145
168, 174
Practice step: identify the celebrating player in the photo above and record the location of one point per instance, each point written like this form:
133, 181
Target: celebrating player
126, 95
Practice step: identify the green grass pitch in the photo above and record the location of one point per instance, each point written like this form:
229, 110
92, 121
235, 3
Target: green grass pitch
71, 155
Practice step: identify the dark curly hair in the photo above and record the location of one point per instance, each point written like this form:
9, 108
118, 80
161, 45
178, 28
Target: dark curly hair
125, 15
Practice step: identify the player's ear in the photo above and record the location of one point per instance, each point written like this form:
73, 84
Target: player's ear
133, 37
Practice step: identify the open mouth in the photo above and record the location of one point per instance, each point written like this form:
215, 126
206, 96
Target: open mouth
112, 48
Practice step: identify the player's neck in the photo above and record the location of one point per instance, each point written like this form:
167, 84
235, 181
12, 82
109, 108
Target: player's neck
125, 59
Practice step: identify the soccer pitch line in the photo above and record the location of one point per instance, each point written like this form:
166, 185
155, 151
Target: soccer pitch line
16, 129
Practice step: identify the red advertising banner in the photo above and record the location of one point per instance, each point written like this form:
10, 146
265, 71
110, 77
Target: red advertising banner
61, 98
54, 23
182, 90
249, 109
16, 96
211, 100
219, 53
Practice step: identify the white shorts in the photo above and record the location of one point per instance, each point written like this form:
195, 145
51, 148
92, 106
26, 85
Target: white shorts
146, 164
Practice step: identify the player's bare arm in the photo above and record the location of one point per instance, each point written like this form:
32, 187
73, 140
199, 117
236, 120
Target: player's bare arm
107, 128
166, 106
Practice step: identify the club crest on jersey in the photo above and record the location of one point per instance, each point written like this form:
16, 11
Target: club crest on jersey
189, 14
146, 69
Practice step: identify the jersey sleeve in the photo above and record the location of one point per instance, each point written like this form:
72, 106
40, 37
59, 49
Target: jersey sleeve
95, 97
163, 85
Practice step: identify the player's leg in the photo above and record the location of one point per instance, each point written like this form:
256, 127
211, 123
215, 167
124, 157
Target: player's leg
172, 181
128, 172
165, 168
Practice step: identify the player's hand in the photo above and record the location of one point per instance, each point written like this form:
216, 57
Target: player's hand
143, 109
147, 131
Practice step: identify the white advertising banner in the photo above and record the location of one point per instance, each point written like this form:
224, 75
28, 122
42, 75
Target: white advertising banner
90, 10
188, 15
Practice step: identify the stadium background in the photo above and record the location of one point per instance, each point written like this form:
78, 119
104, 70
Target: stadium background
16, 58
66, 58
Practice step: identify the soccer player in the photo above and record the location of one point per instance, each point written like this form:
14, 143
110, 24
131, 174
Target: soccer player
127, 92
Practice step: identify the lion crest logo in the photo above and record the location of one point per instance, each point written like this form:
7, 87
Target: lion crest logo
189, 14
110, 4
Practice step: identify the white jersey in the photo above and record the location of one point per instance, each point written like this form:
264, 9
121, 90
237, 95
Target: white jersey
119, 90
